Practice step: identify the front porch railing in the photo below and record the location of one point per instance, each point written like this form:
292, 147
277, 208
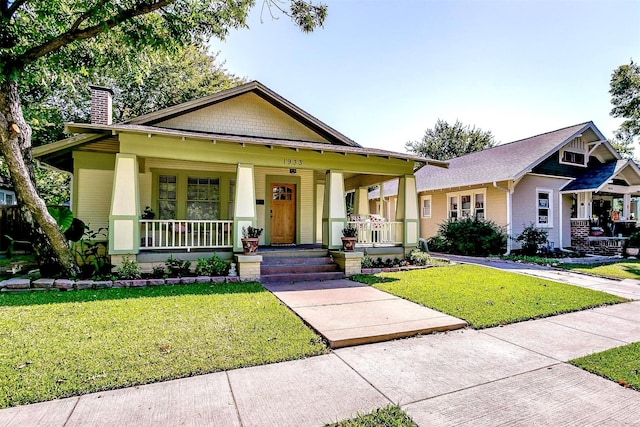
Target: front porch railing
185, 234
377, 233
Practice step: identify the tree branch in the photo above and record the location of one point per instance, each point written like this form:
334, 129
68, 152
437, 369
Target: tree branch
86, 15
81, 34
12, 9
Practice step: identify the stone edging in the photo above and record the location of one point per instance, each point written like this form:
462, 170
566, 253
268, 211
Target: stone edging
23, 285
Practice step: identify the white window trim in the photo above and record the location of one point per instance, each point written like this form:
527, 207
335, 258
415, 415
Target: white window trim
422, 200
577, 151
471, 193
550, 212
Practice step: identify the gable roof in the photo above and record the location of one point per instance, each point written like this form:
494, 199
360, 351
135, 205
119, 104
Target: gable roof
500, 163
257, 88
598, 176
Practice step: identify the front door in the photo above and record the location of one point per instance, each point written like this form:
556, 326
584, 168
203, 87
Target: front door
283, 213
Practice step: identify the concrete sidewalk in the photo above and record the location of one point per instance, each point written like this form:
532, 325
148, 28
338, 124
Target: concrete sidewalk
512, 375
348, 313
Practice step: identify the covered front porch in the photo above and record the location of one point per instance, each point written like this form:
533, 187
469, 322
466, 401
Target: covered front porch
605, 207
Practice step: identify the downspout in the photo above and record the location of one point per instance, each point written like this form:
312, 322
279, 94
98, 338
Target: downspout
509, 228
560, 220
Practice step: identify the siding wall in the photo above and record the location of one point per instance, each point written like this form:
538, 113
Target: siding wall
247, 114
525, 204
94, 189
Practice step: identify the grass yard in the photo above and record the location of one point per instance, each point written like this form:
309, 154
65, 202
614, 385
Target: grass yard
627, 269
390, 416
58, 344
486, 297
620, 364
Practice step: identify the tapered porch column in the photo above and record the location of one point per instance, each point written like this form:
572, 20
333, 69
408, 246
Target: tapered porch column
244, 213
124, 229
407, 210
334, 212
361, 201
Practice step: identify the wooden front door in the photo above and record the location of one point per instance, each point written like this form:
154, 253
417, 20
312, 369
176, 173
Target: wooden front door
283, 213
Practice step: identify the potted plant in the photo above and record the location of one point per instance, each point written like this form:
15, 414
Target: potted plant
148, 213
349, 237
250, 239
632, 245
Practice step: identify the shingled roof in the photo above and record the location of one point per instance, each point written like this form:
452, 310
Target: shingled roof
501, 163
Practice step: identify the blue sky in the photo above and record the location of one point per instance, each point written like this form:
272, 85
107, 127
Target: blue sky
382, 72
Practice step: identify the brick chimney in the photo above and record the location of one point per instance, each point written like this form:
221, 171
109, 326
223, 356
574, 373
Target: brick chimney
101, 105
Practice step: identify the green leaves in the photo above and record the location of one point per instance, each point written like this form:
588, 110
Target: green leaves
625, 97
63, 216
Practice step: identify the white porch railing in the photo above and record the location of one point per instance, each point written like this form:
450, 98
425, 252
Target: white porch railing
185, 234
378, 233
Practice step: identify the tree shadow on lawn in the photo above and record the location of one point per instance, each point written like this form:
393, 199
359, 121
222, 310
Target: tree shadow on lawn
371, 279
633, 270
90, 295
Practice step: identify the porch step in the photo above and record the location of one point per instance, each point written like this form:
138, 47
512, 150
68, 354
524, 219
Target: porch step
298, 267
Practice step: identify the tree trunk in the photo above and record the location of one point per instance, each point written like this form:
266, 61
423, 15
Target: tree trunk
50, 245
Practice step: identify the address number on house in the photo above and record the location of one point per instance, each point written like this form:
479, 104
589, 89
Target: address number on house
294, 162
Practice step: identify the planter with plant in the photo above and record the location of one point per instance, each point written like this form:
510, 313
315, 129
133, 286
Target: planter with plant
632, 245
250, 239
349, 238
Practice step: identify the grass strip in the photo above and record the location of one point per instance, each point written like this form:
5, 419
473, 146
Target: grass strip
389, 416
620, 364
628, 269
59, 344
486, 297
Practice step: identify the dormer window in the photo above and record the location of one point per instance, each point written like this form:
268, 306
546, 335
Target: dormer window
574, 153
573, 158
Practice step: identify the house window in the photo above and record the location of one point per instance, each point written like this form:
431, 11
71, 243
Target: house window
453, 207
426, 207
544, 209
9, 199
573, 158
472, 204
167, 196
203, 198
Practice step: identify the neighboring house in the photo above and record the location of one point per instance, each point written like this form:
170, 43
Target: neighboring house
209, 167
7, 195
571, 182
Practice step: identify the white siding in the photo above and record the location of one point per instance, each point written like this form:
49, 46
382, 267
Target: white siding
94, 197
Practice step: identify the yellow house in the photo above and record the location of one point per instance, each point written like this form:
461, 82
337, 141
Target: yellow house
570, 182
210, 167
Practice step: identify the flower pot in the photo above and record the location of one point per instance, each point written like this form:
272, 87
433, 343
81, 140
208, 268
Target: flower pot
633, 251
349, 243
250, 245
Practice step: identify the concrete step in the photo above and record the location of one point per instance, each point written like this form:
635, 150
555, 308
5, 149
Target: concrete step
271, 261
294, 269
293, 253
301, 277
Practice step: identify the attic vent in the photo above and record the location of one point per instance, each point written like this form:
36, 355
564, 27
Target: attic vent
101, 105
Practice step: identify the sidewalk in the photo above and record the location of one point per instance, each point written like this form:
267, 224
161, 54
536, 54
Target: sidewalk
511, 375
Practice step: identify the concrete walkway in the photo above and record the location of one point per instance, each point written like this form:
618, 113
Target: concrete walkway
348, 313
512, 375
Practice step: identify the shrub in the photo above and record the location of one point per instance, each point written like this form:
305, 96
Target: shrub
473, 236
530, 238
214, 266
129, 270
437, 244
366, 262
159, 272
417, 257
178, 267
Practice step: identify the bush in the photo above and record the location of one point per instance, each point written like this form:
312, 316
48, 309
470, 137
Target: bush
214, 266
159, 272
530, 238
129, 270
417, 257
437, 244
178, 267
472, 236
367, 262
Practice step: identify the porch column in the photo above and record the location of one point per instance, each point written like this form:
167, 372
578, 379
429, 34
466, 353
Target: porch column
124, 229
361, 202
381, 200
244, 213
334, 212
407, 210
626, 205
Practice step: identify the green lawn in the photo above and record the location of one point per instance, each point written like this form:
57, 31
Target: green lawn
627, 269
390, 416
59, 344
487, 297
620, 364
